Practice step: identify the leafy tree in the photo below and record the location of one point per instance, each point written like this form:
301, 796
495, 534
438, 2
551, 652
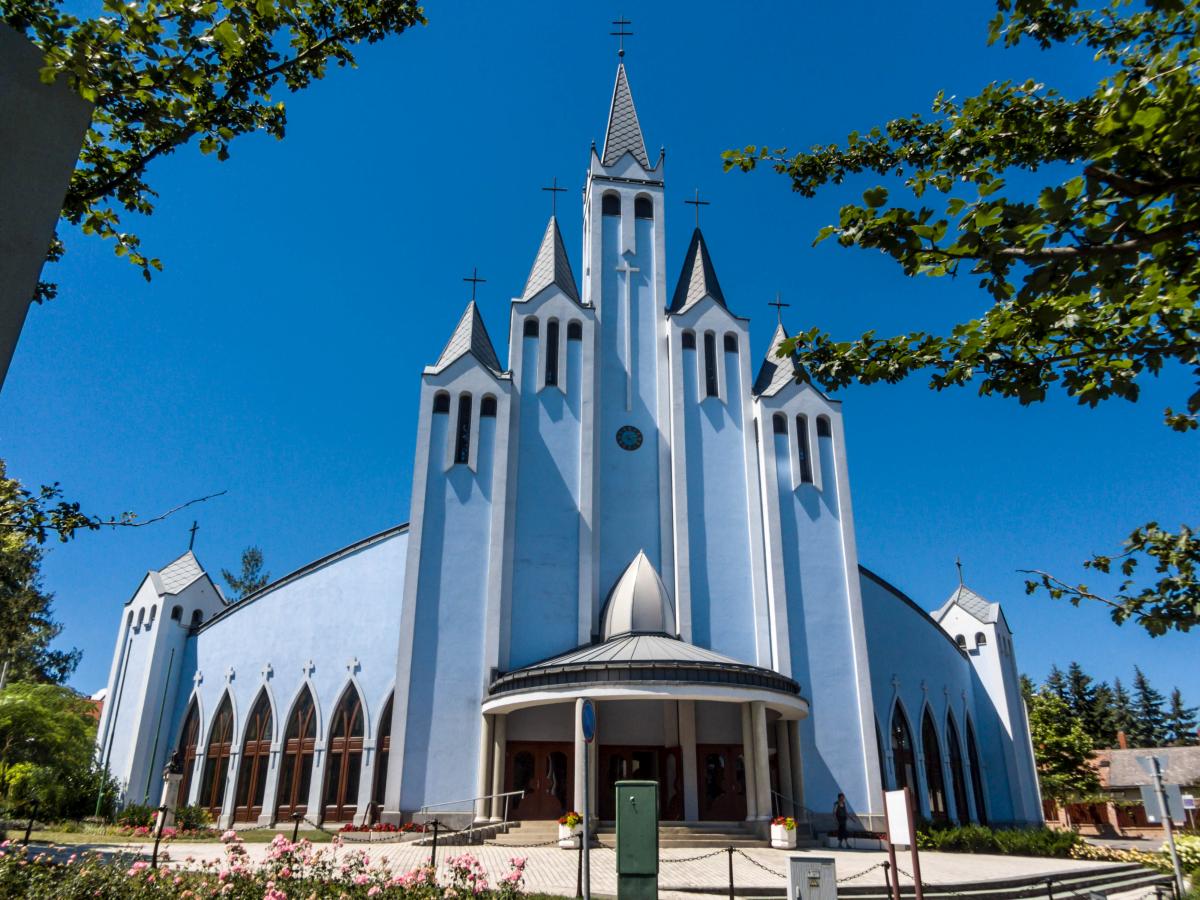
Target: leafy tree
1181, 722
1091, 279
46, 735
1149, 726
1062, 749
27, 624
1122, 708
165, 73
252, 577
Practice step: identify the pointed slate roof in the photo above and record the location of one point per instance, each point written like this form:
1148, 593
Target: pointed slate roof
977, 606
551, 266
470, 336
176, 576
775, 372
698, 278
624, 131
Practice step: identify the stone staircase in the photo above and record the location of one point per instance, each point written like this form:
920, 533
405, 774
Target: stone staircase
670, 834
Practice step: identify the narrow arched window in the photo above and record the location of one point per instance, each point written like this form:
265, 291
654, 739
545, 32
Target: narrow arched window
976, 776
806, 471
710, 364
823, 428
295, 774
574, 331
689, 340
197, 618
216, 760
610, 204
344, 761
255, 764
779, 423
643, 208
189, 739
958, 780
153, 613
903, 760
487, 407
980, 639
552, 352
531, 327
961, 640
462, 443
730, 342
935, 785
383, 751
441, 403
177, 613
141, 617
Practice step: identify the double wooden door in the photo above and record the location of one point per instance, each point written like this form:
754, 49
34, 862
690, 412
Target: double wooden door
661, 764
722, 772
545, 772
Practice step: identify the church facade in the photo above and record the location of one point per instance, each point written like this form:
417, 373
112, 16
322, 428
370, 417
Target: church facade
625, 512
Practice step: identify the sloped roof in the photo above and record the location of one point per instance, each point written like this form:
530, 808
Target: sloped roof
178, 575
631, 648
1123, 769
551, 266
638, 602
698, 278
775, 373
964, 597
470, 336
624, 132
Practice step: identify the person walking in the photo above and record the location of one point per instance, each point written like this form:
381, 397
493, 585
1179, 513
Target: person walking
842, 814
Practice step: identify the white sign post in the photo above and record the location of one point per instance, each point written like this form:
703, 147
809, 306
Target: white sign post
897, 806
1165, 810
587, 717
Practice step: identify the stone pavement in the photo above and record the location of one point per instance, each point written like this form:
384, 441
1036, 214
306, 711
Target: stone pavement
552, 871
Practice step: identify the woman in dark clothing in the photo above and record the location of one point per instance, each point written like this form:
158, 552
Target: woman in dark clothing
842, 814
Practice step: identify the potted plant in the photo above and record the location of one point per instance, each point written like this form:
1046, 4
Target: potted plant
783, 833
570, 826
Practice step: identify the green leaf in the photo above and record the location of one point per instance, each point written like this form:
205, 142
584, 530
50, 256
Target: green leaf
875, 197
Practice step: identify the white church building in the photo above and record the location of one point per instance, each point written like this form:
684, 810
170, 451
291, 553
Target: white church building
624, 511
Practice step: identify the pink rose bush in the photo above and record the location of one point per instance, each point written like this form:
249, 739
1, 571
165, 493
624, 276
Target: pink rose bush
288, 871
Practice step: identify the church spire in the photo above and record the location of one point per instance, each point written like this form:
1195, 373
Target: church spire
551, 266
698, 279
624, 132
470, 336
775, 372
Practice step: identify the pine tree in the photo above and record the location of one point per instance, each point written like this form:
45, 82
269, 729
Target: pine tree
1028, 689
1149, 723
1181, 722
1122, 708
1104, 716
1056, 683
1081, 697
252, 578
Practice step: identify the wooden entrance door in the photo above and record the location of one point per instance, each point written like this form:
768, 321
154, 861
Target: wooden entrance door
544, 771
721, 769
621, 763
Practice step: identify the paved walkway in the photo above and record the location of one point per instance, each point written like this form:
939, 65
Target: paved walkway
552, 871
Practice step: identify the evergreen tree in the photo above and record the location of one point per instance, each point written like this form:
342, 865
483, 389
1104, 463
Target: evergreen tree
1027, 690
252, 577
1150, 721
1181, 722
1081, 696
1122, 708
1103, 726
1056, 683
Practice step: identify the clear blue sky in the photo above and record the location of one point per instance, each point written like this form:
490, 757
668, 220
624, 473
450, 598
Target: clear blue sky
307, 282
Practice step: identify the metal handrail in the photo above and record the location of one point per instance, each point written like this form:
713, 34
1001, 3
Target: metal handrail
472, 800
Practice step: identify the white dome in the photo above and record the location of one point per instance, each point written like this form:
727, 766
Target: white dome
638, 602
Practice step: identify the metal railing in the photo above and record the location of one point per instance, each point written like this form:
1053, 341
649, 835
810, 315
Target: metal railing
429, 807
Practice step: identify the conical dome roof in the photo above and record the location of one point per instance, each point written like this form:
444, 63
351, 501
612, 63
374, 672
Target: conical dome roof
638, 602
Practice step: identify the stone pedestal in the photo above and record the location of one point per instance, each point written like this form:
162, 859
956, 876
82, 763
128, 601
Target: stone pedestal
170, 793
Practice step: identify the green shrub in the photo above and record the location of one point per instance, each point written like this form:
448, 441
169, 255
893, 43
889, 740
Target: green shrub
1004, 841
136, 815
1188, 847
192, 818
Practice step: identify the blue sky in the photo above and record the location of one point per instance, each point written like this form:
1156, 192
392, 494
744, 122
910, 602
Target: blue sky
307, 282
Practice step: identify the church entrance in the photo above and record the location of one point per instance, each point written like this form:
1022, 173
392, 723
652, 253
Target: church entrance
661, 764
722, 772
544, 771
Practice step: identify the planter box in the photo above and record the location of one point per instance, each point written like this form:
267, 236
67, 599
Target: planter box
782, 839
568, 837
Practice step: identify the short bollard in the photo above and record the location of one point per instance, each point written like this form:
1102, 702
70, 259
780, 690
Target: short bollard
887, 877
1050, 888
29, 828
296, 817
158, 830
729, 850
433, 850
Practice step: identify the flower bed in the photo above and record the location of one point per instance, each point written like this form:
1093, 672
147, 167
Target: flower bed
290, 870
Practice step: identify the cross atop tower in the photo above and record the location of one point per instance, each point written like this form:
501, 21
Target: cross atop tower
697, 202
192, 540
779, 307
554, 190
475, 281
620, 34
958, 565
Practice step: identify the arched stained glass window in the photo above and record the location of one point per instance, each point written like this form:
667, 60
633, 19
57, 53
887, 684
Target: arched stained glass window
976, 776
255, 764
189, 739
552, 352
710, 364
343, 765
903, 760
216, 760
295, 774
935, 784
958, 781
383, 750
806, 469
462, 442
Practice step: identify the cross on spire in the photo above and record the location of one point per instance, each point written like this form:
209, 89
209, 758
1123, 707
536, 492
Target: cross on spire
475, 281
192, 540
697, 202
620, 34
779, 307
554, 190
958, 565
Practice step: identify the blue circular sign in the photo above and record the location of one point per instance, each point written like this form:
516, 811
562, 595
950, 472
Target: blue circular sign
587, 719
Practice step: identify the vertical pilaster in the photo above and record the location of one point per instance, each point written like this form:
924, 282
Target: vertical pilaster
797, 766
483, 776
748, 760
783, 750
499, 740
687, 749
762, 766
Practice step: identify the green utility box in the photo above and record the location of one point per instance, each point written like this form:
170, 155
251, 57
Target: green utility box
637, 840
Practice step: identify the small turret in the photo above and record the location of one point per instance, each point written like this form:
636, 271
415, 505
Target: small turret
469, 337
776, 373
551, 266
697, 279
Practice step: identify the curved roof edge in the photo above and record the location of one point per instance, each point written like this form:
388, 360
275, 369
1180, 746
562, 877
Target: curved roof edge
900, 595
305, 570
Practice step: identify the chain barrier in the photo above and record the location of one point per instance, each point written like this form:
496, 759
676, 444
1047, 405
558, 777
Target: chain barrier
694, 858
768, 869
861, 874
